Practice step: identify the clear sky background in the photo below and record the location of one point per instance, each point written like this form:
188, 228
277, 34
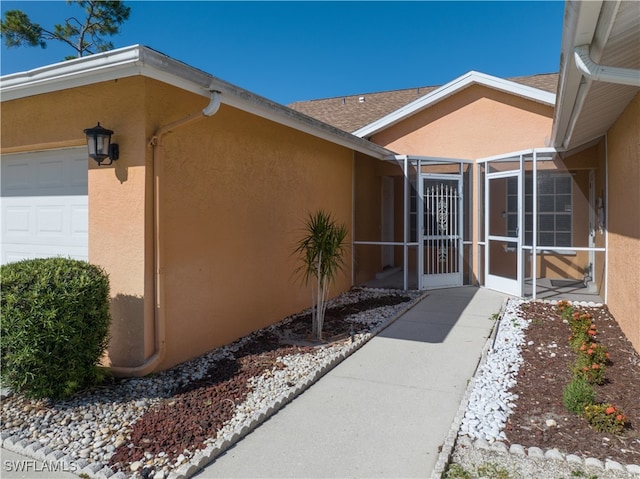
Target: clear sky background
290, 51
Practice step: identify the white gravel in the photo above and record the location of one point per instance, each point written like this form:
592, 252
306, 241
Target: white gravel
480, 449
491, 403
85, 431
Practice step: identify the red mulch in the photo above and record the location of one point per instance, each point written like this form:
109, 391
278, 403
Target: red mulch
198, 411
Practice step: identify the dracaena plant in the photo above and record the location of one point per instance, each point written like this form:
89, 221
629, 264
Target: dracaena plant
321, 251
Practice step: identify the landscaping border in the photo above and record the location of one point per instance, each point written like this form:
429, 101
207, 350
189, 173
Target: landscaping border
517, 450
204, 457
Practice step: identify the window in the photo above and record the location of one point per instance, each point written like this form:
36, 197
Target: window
555, 203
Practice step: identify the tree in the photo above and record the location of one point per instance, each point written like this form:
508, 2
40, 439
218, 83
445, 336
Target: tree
102, 18
321, 251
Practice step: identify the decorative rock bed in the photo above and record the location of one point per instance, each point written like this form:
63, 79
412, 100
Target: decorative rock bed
84, 433
488, 404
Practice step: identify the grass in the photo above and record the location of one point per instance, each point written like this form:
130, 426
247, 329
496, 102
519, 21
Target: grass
583, 474
486, 470
489, 470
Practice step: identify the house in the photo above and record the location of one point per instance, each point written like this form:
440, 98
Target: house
597, 119
566, 146
196, 220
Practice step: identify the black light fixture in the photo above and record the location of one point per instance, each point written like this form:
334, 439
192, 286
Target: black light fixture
100, 146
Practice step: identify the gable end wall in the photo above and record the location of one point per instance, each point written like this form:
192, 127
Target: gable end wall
474, 123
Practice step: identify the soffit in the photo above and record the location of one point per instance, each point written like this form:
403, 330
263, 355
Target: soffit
616, 43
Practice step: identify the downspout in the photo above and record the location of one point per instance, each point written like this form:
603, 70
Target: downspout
154, 311
594, 71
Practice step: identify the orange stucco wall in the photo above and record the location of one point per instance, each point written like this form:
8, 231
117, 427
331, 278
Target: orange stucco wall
367, 214
235, 191
474, 123
623, 223
116, 194
367, 191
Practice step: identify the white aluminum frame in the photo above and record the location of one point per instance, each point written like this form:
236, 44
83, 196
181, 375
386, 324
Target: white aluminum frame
509, 286
419, 161
501, 283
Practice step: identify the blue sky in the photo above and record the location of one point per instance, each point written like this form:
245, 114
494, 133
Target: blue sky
289, 51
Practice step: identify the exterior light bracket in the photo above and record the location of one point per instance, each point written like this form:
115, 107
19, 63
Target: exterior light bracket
100, 146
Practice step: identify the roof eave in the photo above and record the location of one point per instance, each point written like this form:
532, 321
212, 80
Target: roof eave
583, 21
139, 60
451, 88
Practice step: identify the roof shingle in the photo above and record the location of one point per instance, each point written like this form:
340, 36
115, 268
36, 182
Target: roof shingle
352, 112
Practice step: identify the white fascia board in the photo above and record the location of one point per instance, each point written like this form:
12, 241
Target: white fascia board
72, 73
580, 20
140, 60
451, 88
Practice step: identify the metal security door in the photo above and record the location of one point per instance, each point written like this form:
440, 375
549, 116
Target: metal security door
442, 231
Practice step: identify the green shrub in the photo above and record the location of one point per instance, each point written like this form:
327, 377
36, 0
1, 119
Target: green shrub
578, 394
605, 418
582, 329
54, 326
586, 368
566, 309
596, 352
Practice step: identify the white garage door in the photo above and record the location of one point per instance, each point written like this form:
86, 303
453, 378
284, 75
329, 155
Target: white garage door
44, 208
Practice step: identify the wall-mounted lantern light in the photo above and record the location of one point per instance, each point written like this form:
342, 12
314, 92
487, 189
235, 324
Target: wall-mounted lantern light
100, 146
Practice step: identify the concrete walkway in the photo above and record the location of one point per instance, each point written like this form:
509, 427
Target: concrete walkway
383, 412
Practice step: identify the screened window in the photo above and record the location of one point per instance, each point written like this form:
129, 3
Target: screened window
555, 203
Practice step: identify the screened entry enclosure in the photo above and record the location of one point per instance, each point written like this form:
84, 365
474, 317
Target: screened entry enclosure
540, 232
526, 224
429, 244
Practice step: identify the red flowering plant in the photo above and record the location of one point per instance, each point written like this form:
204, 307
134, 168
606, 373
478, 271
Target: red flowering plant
591, 362
565, 308
588, 369
596, 352
605, 418
582, 329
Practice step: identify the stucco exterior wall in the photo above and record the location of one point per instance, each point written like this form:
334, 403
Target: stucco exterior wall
235, 191
116, 194
367, 218
623, 223
474, 123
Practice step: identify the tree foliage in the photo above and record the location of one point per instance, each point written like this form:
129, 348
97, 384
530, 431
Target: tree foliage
84, 35
321, 251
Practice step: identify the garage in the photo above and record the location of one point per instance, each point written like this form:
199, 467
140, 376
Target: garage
43, 204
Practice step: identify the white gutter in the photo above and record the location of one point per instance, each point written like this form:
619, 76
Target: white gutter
154, 310
580, 19
593, 71
588, 26
140, 60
